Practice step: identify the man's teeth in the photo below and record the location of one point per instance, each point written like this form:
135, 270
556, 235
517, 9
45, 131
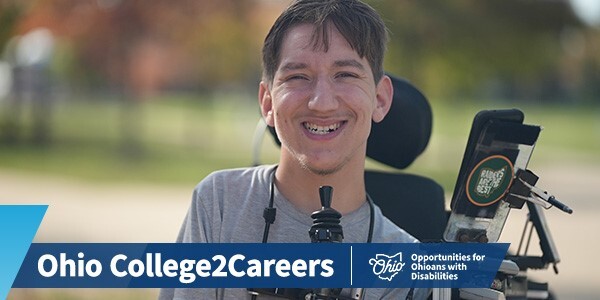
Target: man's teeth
316, 129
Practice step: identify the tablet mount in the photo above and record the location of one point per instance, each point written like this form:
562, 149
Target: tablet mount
493, 179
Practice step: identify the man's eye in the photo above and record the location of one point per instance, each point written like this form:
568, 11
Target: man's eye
346, 75
296, 77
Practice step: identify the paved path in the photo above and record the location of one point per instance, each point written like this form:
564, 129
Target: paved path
85, 212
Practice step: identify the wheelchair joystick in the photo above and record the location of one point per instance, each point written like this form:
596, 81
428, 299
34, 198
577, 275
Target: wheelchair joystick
326, 222
326, 228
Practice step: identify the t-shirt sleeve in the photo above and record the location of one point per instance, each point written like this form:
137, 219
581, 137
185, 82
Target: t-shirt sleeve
194, 228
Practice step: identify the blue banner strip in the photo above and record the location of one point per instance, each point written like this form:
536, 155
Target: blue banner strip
18, 225
124, 265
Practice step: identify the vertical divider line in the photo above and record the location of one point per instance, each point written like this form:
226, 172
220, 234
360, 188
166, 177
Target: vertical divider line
350, 265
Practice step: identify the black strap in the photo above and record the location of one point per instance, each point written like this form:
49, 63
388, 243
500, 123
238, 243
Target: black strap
270, 212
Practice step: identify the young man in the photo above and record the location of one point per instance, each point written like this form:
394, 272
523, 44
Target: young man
322, 86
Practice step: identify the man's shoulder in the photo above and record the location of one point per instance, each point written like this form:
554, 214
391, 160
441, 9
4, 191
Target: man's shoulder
236, 176
249, 172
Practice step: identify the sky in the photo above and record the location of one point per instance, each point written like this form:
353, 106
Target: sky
588, 11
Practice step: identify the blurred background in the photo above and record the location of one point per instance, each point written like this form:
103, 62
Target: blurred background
112, 110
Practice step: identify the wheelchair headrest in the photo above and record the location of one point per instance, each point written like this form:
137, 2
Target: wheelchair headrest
404, 133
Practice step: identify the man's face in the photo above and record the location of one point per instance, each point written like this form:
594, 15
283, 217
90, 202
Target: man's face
322, 103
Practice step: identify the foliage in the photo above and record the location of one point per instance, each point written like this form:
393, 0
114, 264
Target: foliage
9, 15
468, 48
536, 51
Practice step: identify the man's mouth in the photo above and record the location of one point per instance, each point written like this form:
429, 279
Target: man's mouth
321, 130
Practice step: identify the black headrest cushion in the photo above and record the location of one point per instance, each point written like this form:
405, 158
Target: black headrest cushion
404, 133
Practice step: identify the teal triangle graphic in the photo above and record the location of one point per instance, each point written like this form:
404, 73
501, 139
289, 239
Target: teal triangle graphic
18, 225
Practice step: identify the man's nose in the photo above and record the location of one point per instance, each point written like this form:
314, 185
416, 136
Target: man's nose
324, 97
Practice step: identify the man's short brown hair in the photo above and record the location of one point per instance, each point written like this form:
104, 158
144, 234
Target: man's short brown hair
356, 21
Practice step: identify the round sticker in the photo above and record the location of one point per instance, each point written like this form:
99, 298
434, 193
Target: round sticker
489, 180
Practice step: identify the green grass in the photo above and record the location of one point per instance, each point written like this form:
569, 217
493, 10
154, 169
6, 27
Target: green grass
170, 140
180, 139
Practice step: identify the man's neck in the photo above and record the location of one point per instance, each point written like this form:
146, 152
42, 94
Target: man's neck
301, 186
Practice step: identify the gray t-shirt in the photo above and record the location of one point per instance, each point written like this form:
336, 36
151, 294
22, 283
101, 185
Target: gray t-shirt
227, 207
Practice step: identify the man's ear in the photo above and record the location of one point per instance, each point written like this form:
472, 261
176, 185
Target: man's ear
266, 103
385, 94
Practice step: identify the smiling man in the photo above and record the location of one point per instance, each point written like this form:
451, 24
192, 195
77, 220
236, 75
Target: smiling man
321, 99
323, 85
